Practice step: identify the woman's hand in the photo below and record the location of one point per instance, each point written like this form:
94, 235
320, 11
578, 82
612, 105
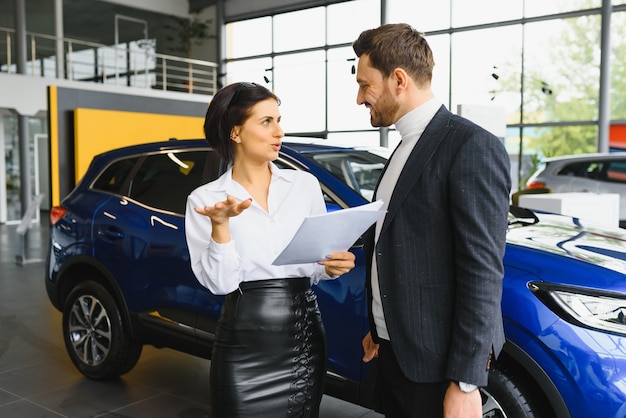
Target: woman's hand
220, 213
338, 263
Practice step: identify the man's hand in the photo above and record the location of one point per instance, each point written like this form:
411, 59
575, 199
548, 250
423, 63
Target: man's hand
369, 347
458, 404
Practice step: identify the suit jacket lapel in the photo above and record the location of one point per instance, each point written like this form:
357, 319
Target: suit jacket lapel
434, 134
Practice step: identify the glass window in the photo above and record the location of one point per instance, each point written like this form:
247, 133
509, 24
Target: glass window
440, 45
165, 180
300, 83
252, 70
554, 141
425, 15
364, 14
466, 13
299, 30
561, 82
479, 66
543, 7
343, 112
484, 70
114, 176
249, 37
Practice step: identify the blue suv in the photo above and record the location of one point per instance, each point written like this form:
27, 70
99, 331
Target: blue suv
118, 269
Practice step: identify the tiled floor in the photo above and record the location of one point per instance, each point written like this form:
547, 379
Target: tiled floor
37, 379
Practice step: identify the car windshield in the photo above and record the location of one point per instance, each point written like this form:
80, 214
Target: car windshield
359, 169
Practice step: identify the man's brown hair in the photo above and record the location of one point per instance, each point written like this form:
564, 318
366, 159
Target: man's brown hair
394, 46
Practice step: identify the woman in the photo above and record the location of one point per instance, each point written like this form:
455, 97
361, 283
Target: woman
269, 356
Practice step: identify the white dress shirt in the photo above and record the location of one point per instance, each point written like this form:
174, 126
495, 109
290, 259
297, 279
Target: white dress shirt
257, 236
410, 126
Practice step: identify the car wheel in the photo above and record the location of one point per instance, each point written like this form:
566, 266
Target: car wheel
504, 397
95, 335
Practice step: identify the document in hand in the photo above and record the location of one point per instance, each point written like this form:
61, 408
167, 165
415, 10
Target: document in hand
321, 235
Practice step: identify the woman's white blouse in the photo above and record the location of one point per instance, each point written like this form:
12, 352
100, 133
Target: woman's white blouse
257, 237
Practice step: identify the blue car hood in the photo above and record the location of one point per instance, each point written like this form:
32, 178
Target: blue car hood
570, 238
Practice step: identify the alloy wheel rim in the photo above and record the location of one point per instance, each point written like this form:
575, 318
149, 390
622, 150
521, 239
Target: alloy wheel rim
491, 407
89, 330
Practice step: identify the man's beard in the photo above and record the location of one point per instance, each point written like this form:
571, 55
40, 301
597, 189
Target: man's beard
383, 114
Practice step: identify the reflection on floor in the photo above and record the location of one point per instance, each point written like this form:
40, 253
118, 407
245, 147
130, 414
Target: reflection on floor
37, 378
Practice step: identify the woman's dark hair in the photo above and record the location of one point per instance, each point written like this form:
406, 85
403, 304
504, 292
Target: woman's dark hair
231, 107
397, 45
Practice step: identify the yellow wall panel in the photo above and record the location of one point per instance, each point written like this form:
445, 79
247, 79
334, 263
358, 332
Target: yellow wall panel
53, 121
97, 131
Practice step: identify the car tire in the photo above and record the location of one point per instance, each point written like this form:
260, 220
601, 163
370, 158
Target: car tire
505, 397
95, 335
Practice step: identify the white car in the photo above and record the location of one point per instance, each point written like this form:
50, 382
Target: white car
594, 173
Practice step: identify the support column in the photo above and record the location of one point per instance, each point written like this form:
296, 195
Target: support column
59, 34
22, 121
20, 36
25, 171
604, 111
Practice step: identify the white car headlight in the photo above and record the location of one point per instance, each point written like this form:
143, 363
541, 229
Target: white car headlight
598, 311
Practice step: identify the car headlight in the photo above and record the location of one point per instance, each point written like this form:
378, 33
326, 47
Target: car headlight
585, 307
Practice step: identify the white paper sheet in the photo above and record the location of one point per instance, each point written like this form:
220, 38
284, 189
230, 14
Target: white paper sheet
323, 234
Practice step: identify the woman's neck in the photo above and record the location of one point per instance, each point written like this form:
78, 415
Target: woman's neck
255, 178
248, 173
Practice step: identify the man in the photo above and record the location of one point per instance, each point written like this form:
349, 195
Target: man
435, 260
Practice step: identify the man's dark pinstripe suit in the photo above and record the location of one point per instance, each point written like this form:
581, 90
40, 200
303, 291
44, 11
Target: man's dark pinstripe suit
440, 252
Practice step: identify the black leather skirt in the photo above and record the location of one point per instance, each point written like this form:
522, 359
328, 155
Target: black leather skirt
269, 356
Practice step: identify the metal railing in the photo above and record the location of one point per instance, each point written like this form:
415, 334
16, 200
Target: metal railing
135, 64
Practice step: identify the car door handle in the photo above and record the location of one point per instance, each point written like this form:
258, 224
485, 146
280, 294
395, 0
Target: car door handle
110, 233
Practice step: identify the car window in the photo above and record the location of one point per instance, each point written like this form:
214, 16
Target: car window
574, 169
609, 171
165, 180
114, 176
585, 169
331, 202
359, 170
616, 171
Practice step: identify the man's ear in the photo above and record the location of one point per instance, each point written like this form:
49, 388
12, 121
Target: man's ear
401, 78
